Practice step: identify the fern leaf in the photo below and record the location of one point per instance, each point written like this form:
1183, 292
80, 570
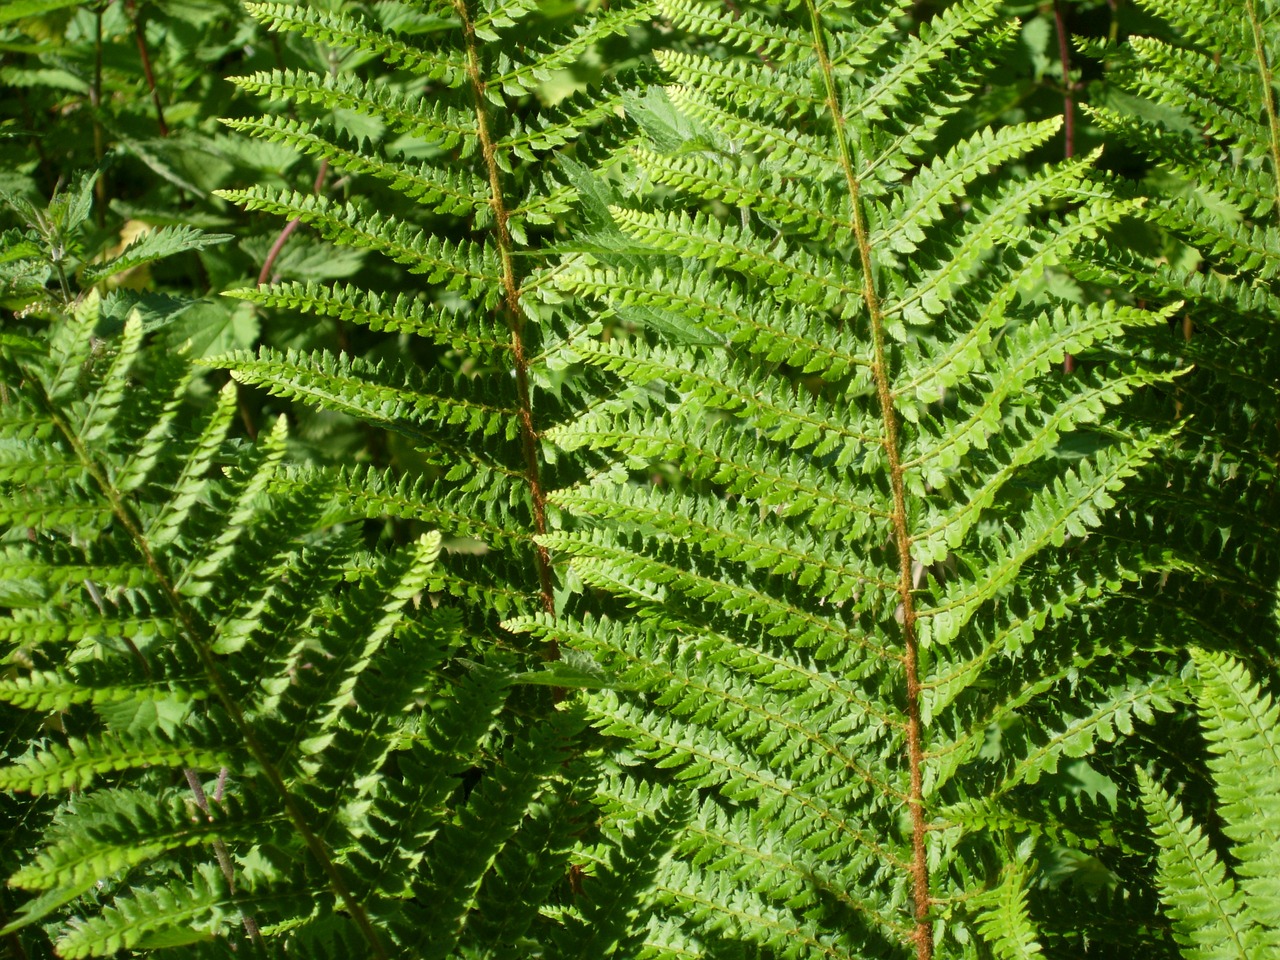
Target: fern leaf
1206, 906
403, 314
76, 765
465, 267
1005, 924
114, 831
153, 918
339, 30
1240, 724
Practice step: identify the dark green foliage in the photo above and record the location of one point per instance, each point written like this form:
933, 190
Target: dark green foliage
1206, 120
249, 741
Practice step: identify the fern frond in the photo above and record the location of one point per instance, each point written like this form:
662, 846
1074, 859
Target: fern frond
109, 832
1004, 922
749, 31
479, 205
186, 912
76, 765
1240, 722
441, 191
439, 122
870, 480
1206, 905
1200, 103
375, 393
341, 30
466, 267
201, 629
473, 337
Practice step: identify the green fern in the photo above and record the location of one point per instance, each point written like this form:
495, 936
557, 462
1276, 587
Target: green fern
1202, 108
1216, 912
886, 522
1199, 105
480, 374
737, 403
471, 232
242, 737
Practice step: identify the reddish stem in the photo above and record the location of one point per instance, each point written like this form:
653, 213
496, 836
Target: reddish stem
282, 238
140, 37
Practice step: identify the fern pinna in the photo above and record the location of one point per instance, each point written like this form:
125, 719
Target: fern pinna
849, 628
1219, 913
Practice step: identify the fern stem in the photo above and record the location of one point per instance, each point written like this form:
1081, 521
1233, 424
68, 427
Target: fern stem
203, 648
1268, 92
920, 896
515, 316
139, 35
99, 141
223, 855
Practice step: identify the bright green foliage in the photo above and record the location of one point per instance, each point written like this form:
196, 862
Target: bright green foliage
1005, 923
474, 372
891, 494
468, 167
1219, 913
737, 402
226, 726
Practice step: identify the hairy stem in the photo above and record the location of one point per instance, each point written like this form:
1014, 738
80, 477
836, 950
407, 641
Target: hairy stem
921, 900
514, 312
220, 850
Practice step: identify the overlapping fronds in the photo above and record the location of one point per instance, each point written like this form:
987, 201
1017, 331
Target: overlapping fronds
850, 611
462, 193
476, 206
1201, 109
229, 727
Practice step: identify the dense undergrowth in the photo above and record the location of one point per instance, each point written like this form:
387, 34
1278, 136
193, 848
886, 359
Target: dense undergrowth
639, 479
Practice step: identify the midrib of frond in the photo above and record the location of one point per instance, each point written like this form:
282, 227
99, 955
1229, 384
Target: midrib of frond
511, 305
1268, 90
923, 933
203, 646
